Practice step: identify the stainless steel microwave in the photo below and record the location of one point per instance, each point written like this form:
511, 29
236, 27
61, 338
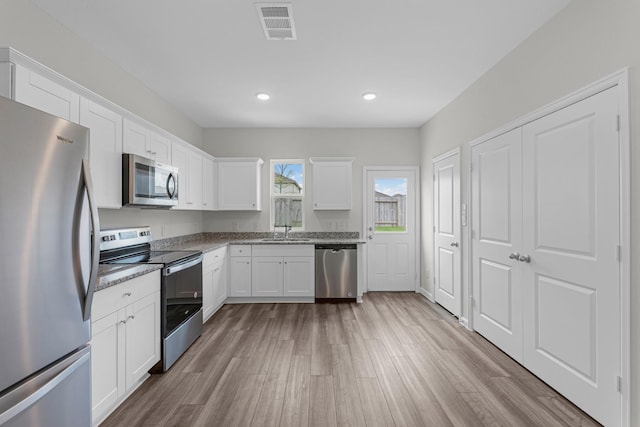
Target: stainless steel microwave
146, 182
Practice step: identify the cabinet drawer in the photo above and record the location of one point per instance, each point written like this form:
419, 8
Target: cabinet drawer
215, 256
240, 250
283, 250
116, 297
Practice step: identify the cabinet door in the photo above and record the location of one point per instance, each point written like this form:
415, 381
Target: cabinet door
135, 139
240, 276
299, 276
105, 152
39, 92
207, 293
107, 363
143, 337
195, 180
238, 186
180, 159
332, 182
267, 277
208, 185
160, 147
219, 284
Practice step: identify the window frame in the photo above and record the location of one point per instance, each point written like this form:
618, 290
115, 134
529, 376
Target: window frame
273, 195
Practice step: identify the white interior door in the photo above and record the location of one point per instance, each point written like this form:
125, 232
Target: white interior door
496, 238
446, 231
391, 229
571, 208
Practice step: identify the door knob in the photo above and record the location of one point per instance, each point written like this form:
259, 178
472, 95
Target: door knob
514, 255
455, 244
524, 258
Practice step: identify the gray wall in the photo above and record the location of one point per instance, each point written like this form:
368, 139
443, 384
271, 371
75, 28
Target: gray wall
370, 147
28, 29
587, 41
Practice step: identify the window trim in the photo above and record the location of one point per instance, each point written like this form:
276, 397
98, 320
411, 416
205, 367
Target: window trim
273, 195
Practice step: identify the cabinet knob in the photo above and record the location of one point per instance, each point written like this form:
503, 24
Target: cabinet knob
131, 317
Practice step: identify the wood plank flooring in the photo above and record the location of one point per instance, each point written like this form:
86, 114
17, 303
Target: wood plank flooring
394, 360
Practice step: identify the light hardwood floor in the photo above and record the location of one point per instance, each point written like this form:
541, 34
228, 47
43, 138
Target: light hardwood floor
394, 360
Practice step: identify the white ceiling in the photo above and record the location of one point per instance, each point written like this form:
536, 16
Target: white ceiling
209, 58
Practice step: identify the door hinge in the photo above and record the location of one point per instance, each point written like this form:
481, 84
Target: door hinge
619, 384
434, 228
619, 253
618, 123
473, 234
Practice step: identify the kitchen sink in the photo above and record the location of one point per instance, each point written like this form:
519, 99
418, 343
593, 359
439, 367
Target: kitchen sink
288, 239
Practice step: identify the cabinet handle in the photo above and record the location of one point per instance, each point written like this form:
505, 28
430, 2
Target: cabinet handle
131, 317
454, 244
127, 294
217, 269
122, 322
514, 255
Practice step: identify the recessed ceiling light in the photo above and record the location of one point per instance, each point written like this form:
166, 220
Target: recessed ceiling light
369, 96
263, 96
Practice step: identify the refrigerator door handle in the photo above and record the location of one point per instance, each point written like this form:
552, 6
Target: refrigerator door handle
20, 399
95, 250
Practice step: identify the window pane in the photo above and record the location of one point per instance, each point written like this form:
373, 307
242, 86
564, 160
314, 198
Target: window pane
288, 211
390, 213
287, 178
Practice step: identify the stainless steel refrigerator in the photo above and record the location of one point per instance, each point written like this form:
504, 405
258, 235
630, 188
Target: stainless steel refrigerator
48, 266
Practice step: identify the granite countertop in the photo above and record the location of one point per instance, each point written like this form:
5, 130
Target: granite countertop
110, 274
113, 274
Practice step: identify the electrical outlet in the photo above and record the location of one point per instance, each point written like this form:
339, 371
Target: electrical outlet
257, 226
329, 226
234, 226
340, 226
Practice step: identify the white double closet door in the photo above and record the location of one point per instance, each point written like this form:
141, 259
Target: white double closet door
545, 242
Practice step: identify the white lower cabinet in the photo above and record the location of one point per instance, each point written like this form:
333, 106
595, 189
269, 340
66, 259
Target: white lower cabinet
240, 271
282, 270
214, 281
125, 340
267, 275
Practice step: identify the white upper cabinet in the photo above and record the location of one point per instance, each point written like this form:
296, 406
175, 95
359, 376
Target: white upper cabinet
239, 184
332, 183
144, 142
105, 152
195, 179
190, 176
39, 92
209, 184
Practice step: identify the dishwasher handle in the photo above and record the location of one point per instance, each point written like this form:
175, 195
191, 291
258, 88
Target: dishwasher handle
337, 248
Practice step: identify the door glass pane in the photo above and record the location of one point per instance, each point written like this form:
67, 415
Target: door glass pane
390, 210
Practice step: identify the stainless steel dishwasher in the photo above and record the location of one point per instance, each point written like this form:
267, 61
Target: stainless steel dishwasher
336, 272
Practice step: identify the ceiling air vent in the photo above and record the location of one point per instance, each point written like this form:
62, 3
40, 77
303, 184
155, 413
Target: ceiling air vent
277, 21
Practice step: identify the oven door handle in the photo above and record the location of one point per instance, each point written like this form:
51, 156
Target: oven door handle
167, 271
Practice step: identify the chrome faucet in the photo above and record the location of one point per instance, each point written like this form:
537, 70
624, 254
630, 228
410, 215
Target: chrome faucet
287, 228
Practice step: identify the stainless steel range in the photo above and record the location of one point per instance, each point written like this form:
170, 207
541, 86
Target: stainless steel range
181, 291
